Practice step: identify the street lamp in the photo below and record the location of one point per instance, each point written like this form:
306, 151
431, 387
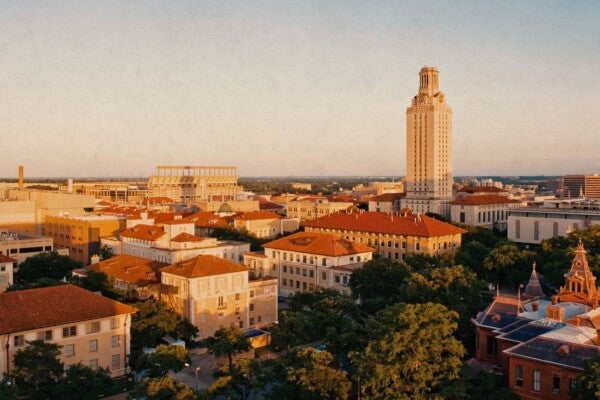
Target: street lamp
196, 372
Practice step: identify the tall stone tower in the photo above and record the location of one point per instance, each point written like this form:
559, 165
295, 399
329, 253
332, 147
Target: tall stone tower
428, 148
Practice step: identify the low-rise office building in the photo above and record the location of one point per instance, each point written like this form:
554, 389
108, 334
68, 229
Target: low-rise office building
554, 218
490, 211
265, 224
22, 245
7, 266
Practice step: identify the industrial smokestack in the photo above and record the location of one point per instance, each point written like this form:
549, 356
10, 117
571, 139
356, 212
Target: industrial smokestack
20, 177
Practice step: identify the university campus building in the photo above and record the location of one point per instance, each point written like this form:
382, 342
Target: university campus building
540, 345
428, 148
91, 329
391, 235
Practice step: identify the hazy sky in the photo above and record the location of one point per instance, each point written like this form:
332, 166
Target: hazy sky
101, 88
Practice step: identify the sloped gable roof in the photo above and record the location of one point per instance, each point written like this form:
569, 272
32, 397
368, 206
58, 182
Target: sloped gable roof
131, 269
318, 243
203, 265
377, 222
31, 309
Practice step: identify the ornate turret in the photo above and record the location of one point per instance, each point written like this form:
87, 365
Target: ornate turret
580, 283
533, 288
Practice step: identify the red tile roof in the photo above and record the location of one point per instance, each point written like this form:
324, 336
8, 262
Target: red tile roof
483, 200
131, 269
318, 243
388, 197
257, 215
186, 237
158, 200
203, 265
481, 189
24, 310
5, 259
207, 220
377, 222
143, 232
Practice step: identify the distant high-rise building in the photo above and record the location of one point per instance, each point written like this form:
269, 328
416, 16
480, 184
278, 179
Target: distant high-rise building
428, 147
574, 186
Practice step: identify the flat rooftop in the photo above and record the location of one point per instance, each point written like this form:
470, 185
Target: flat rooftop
9, 235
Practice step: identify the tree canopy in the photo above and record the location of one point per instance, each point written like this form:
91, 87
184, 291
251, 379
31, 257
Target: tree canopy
47, 265
227, 342
411, 352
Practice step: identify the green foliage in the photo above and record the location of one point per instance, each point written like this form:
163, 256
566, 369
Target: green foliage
244, 381
165, 359
99, 282
241, 235
307, 374
378, 283
49, 265
411, 352
81, 382
37, 369
227, 342
163, 388
154, 320
105, 253
507, 264
588, 381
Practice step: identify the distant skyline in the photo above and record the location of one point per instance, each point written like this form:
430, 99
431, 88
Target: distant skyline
294, 88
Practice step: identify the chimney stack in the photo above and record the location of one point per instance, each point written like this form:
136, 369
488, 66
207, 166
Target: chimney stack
20, 177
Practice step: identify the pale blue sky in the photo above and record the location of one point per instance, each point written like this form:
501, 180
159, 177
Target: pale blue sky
90, 88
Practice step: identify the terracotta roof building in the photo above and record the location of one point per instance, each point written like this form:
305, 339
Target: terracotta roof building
540, 345
386, 202
265, 224
392, 235
213, 293
306, 260
92, 330
137, 276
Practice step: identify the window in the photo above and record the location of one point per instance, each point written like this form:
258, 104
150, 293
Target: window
536, 380
284, 282
418, 246
94, 363
572, 384
297, 271
251, 321
251, 307
518, 229
519, 376
337, 279
303, 285
536, 230
303, 271
259, 319
19, 341
69, 350
115, 341
324, 262
251, 293
237, 310
220, 301
70, 331
115, 361
462, 217
492, 346
93, 345
285, 256
92, 327
285, 269
45, 335
237, 296
556, 384
297, 284
241, 324
324, 276
311, 273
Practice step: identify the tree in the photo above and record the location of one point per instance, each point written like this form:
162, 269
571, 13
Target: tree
154, 320
81, 382
411, 352
508, 264
377, 283
163, 388
49, 265
37, 369
105, 253
308, 374
98, 282
227, 342
165, 359
587, 385
247, 377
